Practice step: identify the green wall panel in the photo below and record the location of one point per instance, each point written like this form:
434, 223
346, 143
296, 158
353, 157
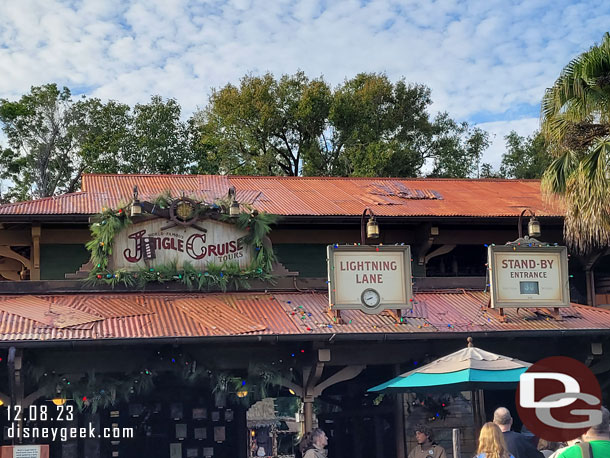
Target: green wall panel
306, 258
58, 260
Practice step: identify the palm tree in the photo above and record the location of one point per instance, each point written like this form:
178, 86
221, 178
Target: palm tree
576, 126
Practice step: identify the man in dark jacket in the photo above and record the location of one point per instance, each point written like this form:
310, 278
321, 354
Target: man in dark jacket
518, 445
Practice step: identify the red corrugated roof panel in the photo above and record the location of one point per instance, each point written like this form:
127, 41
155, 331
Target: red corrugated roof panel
300, 314
310, 196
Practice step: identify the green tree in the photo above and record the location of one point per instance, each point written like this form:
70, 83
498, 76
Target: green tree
368, 126
576, 124
159, 139
41, 153
53, 140
525, 157
104, 135
487, 171
455, 148
264, 126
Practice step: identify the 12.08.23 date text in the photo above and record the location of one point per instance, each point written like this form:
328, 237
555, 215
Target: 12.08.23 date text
40, 413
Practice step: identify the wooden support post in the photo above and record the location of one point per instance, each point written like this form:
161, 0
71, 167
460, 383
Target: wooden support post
378, 436
35, 257
456, 444
308, 413
16, 383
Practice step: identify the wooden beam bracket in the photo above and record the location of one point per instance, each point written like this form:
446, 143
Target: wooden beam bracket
554, 313
335, 315
497, 313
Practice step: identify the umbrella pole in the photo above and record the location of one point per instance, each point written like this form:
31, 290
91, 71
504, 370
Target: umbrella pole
482, 407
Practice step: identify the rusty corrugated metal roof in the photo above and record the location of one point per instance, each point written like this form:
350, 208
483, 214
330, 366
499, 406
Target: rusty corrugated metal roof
309, 196
218, 316
296, 314
52, 313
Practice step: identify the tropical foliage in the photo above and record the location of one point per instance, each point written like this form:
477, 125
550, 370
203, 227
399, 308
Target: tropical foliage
576, 125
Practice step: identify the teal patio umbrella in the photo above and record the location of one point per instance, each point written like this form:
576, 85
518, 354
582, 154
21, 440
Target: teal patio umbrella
468, 369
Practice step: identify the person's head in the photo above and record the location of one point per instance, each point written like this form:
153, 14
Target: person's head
491, 442
313, 439
423, 434
318, 438
601, 431
503, 419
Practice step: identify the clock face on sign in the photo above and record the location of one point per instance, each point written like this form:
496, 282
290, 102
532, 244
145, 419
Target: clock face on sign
370, 298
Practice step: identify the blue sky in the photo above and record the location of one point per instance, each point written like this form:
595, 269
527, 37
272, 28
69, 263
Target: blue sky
487, 62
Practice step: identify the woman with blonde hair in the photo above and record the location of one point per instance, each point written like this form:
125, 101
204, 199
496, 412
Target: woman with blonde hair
491, 442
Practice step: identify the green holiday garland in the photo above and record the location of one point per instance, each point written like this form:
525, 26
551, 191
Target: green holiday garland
110, 222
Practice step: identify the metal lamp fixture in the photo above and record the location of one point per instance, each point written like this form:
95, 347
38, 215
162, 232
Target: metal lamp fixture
234, 208
533, 227
136, 208
372, 228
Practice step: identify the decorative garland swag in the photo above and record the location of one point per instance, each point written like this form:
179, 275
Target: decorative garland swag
111, 222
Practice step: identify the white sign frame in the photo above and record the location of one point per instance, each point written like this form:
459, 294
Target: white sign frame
559, 252
357, 302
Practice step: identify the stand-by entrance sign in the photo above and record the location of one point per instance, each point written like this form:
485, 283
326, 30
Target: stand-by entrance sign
369, 278
522, 276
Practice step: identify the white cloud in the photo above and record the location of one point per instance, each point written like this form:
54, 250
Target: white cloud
481, 59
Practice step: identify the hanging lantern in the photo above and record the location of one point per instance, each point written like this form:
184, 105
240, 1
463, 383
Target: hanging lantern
242, 393
372, 229
533, 227
136, 208
234, 209
58, 401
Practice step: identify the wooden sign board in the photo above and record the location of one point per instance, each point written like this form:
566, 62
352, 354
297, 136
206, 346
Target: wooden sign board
369, 278
528, 276
146, 244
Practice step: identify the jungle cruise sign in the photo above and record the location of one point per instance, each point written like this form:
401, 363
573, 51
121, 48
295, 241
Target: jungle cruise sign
524, 276
202, 245
369, 278
148, 244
